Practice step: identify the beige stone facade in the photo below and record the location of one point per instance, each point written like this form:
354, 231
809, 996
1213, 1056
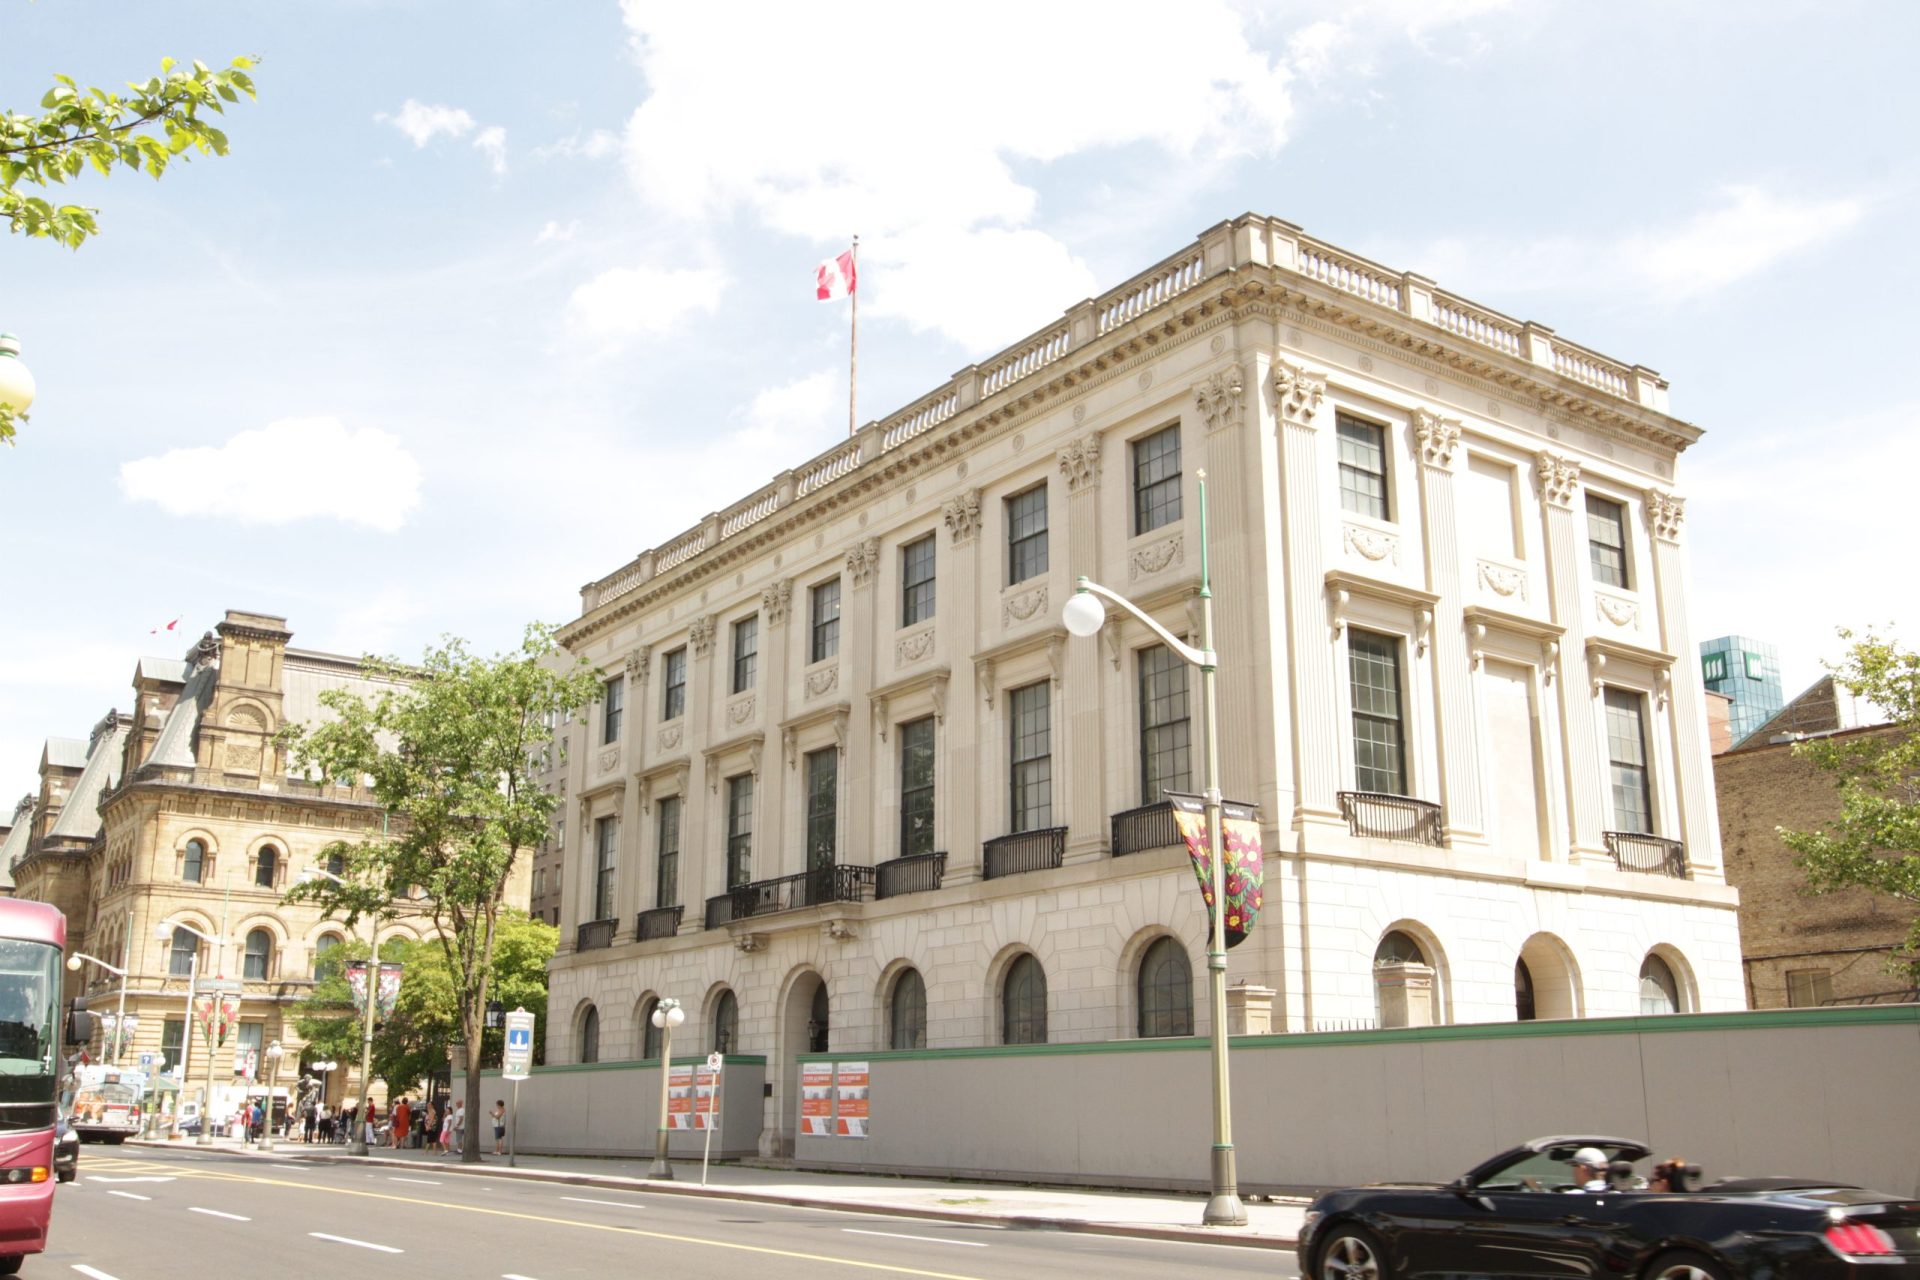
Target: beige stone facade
856, 787
183, 811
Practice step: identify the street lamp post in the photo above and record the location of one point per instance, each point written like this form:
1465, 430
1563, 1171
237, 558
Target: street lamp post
273, 1078
359, 1136
120, 1012
324, 1068
1084, 615
667, 1014
163, 932
164, 929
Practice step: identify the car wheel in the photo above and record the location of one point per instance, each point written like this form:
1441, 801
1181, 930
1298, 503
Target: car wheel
1354, 1253
68, 1175
1685, 1266
10, 1264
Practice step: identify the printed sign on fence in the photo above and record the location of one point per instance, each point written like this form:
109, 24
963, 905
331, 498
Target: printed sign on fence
680, 1098
850, 1090
816, 1100
706, 1084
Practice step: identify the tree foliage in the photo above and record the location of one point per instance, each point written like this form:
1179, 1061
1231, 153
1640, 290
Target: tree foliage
145, 129
1875, 842
412, 1043
449, 752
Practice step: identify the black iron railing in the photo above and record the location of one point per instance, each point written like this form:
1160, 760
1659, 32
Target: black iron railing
661, 922
916, 873
1390, 817
1027, 851
790, 893
1654, 855
1150, 826
593, 935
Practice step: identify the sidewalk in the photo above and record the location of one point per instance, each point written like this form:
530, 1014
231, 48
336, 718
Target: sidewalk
1159, 1216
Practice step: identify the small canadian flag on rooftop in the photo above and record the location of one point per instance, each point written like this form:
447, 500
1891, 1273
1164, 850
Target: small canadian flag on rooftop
834, 278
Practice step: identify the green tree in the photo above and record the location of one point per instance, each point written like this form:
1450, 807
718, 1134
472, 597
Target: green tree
328, 1017
145, 129
449, 751
1875, 842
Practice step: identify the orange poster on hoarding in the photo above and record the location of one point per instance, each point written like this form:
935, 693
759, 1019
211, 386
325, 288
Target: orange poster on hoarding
816, 1100
850, 1091
705, 1091
680, 1098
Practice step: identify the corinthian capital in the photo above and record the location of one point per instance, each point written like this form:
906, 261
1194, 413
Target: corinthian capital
1297, 393
1219, 399
1665, 511
1438, 438
1080, 463
1559, 478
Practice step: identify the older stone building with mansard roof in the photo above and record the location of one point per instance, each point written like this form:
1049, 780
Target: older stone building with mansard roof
853, 786
183, 810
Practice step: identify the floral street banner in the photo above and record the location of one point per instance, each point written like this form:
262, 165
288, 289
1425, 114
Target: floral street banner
216, 1015
389, 992
1240, 857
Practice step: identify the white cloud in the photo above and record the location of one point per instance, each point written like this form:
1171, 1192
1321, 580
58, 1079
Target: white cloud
596, 144
423, 122
838, 156
1748, 231
984, 287
492, 143
801, 407
292, 469
630, 302
558, 232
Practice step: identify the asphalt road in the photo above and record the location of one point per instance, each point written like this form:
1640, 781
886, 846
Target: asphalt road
212, 1216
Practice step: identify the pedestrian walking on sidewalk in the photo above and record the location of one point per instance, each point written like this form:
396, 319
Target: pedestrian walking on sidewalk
402, 1120
499, 1116
460, 1126
431, 1133
446, 1132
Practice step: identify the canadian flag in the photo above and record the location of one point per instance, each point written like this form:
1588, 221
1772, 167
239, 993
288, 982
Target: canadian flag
834, 278
168, 627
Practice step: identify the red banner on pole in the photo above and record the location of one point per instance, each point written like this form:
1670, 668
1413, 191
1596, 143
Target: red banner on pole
1240, 858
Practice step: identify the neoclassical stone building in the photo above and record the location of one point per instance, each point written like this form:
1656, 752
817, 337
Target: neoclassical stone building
853, 786
183, 810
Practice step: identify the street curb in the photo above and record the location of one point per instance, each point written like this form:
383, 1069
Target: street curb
1026, 1222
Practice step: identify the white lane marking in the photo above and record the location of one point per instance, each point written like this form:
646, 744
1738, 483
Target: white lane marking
364, 1244
895, 1235
511, 1276
131, 1195
215, 1213
618, 1204
425, 1182
95, 1272
300, 1167
101, 1177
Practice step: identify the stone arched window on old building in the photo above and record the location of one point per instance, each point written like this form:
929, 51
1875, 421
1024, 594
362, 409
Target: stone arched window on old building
726, 1020
194, 865
266, 866
321, 946
649, 1034
258, 961
907, 1012
1023, 1003
1659, 990
590, 1035
181, 953
1164, 987
1403, 982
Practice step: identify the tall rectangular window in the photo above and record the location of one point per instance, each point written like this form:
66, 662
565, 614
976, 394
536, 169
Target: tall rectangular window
1030, 754
613, 699
1379, 735
666, 863
1363, 467
674, 681
916, 787
739, 830
1627, 761
916, 581
1027, 535
1807, 988
1166, 762
1156, 480
1607, 541
823, 806
249, 1039
746, 652
173, 1034
606, 840
825, 641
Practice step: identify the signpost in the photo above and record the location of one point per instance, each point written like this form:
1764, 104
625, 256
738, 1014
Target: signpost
516, 1064
714, 1062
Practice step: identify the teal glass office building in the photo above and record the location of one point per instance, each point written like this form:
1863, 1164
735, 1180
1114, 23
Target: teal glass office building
1748, 671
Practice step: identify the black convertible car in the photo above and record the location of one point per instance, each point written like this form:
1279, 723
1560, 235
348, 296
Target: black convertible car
1520, 1215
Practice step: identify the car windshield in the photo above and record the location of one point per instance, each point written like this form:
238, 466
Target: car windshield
1549, 1170
29, 979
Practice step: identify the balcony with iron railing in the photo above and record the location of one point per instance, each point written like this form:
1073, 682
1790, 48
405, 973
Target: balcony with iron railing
594, 935
660, 922
1648, 854
1380, 816
790, 893
1025, 851
915, 873
1151, 826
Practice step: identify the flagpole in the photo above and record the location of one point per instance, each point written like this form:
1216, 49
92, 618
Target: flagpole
853, 345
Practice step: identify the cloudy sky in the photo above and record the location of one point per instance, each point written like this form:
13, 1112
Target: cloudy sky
493, 294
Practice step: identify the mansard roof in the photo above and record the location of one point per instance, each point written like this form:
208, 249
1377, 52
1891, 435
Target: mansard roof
80, 818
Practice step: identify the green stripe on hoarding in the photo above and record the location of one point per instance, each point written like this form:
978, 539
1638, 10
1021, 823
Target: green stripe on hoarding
634, 1064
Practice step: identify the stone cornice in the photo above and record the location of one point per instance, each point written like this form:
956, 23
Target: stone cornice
1251, 290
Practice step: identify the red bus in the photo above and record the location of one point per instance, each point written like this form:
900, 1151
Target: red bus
32, 937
